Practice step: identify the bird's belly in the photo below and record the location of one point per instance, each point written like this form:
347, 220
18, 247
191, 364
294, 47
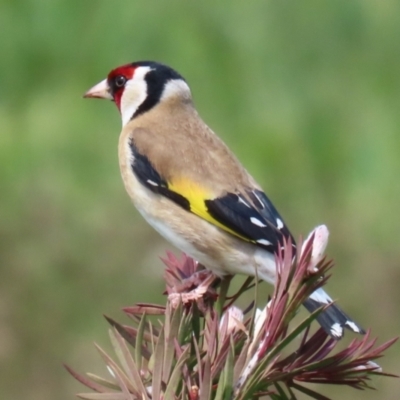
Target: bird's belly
217, 250
181, 243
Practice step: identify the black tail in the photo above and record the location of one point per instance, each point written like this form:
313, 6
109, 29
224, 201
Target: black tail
333, 320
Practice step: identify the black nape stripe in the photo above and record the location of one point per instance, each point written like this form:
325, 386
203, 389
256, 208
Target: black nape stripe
156, 79
152, 180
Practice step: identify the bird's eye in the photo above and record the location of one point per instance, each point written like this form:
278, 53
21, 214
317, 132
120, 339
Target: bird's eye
120, 81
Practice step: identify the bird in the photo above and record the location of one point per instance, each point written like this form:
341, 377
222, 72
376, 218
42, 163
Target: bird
190, 187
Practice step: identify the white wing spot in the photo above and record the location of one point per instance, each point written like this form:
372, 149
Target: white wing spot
353, 326
336, 330
279, 223
243, 202
264, 242
152, 182
257, 222
259, 200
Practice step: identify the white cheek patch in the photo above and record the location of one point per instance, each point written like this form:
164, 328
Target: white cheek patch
134, 95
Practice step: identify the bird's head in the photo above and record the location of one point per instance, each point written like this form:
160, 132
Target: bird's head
136, 88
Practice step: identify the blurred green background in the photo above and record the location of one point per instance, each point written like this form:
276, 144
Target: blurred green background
306, 93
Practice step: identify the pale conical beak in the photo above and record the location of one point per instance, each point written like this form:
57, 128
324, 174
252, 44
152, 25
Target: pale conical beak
99, 91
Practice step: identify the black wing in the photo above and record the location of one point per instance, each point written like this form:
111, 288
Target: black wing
151, 179
258, 221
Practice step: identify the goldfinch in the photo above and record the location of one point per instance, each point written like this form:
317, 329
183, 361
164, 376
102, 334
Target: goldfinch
190, 187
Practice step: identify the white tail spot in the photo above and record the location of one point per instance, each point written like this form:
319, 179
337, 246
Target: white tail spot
336, 330
353, 326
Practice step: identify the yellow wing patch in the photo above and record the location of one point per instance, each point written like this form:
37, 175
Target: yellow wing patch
196, 195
